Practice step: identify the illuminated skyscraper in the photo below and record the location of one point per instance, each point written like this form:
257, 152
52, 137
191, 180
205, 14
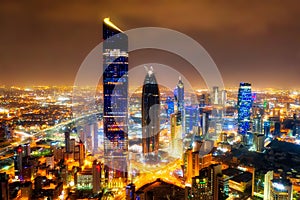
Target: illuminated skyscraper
81, 153
257, 125
115, 95
267, 128
176, 137
18, 161
215, 95
223, 97
169, 106
150, 114
95, 137
244, 107
192, 118
67, 141
179, 97
258, 140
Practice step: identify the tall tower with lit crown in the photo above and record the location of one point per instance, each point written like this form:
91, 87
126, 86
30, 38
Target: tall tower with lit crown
150, 114
179, 96
115, 96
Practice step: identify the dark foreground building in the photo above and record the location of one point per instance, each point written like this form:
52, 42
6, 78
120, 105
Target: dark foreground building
150, 114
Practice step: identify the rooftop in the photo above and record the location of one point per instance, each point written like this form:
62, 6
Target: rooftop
244, 177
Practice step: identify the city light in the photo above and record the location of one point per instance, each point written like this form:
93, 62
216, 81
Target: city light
279, 186
148, 114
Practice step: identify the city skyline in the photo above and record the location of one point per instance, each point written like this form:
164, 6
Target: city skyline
45, 45
155, 111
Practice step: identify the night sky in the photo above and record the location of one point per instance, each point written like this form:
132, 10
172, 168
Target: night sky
44, 42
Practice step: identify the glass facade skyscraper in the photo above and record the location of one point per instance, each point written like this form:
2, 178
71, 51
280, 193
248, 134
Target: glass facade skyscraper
115, 97
180, 95
192, 118
244, 108
169, 106
150, 114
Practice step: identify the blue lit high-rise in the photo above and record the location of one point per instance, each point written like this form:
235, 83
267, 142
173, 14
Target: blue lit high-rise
169, 106
192, 118
244, 108
115, 95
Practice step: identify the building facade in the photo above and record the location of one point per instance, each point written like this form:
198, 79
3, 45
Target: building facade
115, 95
244, 108
150, 114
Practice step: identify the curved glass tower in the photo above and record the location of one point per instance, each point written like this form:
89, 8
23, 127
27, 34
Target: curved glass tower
115, 96
150, 114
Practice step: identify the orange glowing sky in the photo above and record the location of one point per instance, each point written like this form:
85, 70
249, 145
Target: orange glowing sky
44, 42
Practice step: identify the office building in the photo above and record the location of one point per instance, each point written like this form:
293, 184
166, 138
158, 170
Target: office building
169, 106
72, 145
84, 179
267, 184
257, 126
204, 100
27, 149
81, 153
206, 186
96, 172
204, 120
244, 108
277, 127
4, 191
95, 137
115, 95
259, 141
223, 97
192, 118
150, 114
241, 183
67, 142
267, 127
281, 189
130, 192
18, 161
176, 145
227, 175
179, 95
215, 96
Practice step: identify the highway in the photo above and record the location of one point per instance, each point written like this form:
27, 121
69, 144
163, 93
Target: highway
27, 138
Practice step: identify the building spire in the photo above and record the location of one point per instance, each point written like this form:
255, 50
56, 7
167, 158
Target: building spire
109, 23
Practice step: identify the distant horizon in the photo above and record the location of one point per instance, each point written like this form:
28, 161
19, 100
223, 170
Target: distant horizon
3, 86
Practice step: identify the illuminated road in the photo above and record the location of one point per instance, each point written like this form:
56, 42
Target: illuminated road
147, 172
27, 138
150, 173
